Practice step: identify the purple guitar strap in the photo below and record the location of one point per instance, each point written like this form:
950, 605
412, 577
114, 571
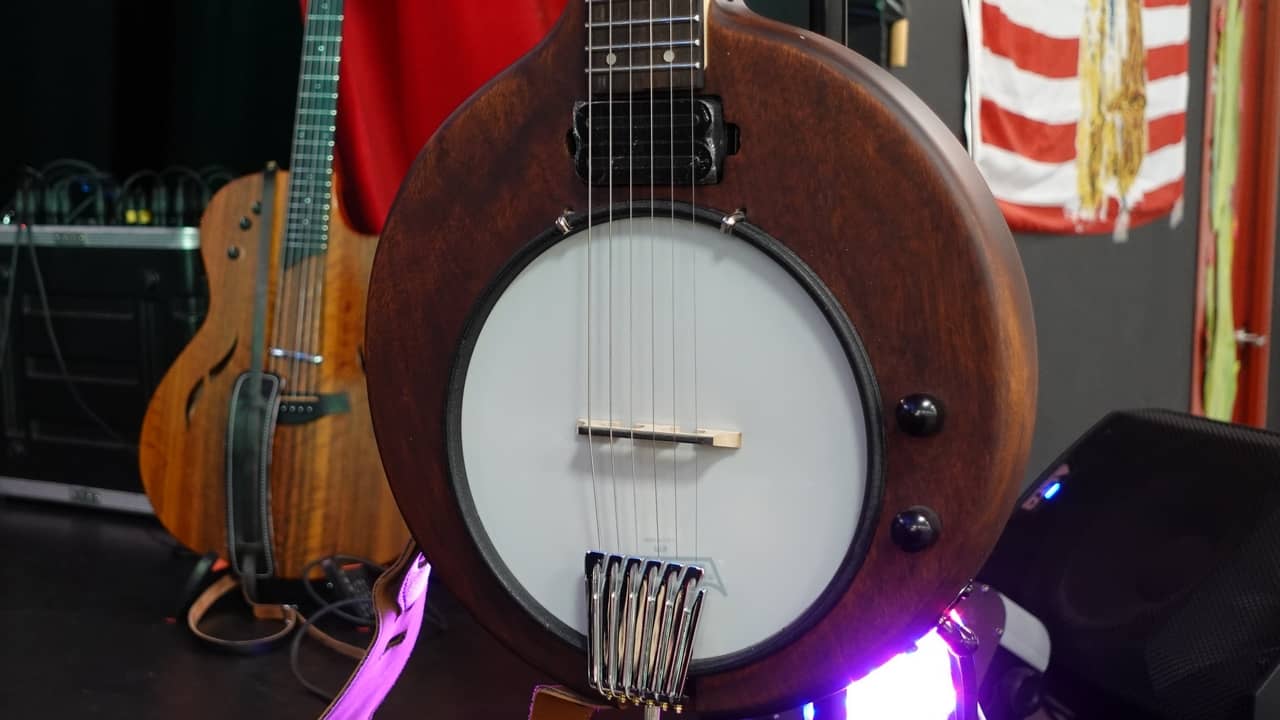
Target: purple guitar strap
399, 599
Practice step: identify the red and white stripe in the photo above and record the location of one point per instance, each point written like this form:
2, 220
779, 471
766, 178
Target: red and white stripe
1024, 104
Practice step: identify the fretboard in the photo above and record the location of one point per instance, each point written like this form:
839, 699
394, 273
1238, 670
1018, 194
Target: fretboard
311, 170
636, 45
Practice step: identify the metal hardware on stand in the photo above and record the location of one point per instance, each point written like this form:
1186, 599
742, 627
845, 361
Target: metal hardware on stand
963, 644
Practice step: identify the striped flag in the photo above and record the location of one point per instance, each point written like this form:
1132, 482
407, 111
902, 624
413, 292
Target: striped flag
1077, 110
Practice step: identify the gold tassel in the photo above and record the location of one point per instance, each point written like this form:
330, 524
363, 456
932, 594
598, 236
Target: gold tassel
1111, 134
1091, 127
1130, 104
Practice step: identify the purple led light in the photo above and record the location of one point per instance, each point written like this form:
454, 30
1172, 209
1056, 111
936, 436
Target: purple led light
911, 686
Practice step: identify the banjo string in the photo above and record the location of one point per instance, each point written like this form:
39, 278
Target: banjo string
595, 489
631, 260
611, 60
693, 265
671, 127
653, 301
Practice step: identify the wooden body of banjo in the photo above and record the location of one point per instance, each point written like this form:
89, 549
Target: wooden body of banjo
756, 358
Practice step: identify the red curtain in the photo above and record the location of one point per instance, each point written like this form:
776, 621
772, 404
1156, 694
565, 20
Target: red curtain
406, 65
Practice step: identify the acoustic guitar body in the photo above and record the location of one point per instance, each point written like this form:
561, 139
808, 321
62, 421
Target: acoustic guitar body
844, 302
328, 493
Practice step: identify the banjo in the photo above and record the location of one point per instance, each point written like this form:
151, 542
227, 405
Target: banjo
700, 359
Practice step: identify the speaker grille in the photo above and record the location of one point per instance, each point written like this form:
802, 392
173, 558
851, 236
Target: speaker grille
1157, 566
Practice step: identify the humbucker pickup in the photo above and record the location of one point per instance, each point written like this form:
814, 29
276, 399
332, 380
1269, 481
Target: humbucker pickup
651, 141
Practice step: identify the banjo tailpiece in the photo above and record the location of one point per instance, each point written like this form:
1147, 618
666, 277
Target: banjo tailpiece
642, 616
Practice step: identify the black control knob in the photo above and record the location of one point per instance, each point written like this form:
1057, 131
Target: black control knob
915, 528
920, 415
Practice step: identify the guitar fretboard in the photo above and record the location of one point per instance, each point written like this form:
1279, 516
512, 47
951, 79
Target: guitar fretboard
311, 170
637, 45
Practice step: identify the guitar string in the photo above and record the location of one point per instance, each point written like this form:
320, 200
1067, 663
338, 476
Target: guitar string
595, 490
298, 223
611, 60
671, 127
693, 265
303, 235
653, 295
324, 181
631, 262
289, 279
312, 262
322, 189
301, 216
314, 222
283, 286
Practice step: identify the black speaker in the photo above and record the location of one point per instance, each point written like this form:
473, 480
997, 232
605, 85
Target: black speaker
1150, 549
105, 317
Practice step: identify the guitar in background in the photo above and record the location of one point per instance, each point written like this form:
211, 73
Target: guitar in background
257, 444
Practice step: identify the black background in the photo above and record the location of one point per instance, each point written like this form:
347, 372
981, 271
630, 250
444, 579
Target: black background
133, 84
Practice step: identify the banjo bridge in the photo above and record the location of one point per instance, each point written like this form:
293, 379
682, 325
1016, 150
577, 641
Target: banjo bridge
731, 439
641, 619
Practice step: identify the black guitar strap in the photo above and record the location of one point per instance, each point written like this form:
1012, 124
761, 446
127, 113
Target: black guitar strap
251, 421
254, 405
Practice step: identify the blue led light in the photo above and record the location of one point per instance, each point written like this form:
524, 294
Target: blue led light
1052, 490
808, 711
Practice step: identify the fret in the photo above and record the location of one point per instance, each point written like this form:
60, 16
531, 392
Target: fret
306, 182
644, 45
324, 38
644, 21
320, 76
646, 68
328, 95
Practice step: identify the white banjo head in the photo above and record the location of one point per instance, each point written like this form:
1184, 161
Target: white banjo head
778, 523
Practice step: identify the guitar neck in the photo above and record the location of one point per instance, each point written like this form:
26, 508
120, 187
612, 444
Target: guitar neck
638, 45
315, 123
